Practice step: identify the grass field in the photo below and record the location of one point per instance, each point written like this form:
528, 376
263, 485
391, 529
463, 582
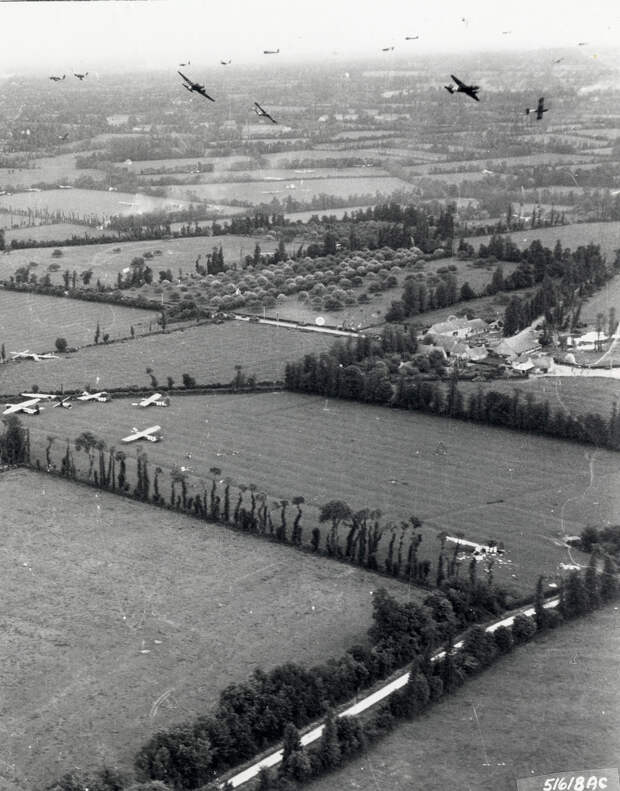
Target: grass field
106, 263
499, 727
90, 580
305, 189
209, 353
58, 231
492, 483
607, 297
88, 203
34, 321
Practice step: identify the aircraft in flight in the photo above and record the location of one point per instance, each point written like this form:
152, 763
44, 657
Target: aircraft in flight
557, 60
54, 78
63, 137
28, 355
271, 51
461, 87
152, 434
153, 400
80, 76
187, 63
195, 86
226, 62
540, 109
411, 38
102, 396
30, 407
263, 113
387, 49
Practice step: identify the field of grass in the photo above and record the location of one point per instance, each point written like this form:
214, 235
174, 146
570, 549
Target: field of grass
492, 483
305, 189
575, 395
105, 263
88, 203
500, 727
606, 234
607, 297
119, 620
209, 353
34, 321
58, 231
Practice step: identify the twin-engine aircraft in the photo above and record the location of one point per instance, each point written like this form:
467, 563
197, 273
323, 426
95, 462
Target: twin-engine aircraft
153, 400
152, 434
461, 87
196, 87
263, 113
28, 355
540, 109
30, 407
102, 396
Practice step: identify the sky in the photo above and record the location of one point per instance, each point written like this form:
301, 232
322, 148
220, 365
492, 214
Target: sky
64, 36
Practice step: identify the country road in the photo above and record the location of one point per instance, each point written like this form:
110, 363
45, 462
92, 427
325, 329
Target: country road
366, 703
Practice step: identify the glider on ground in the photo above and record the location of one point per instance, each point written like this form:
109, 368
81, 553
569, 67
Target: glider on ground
152, 434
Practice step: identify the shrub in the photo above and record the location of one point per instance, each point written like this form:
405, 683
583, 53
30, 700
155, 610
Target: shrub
523, 628
61, 344
503, 639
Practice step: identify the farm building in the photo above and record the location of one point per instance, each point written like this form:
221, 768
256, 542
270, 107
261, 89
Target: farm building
459, 328
590, 341
456, 348
521, 343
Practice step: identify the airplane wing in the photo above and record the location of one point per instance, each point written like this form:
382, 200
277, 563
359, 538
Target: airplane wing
458, 82
202, 92
132, 437
32, 410
146, 434
187, 79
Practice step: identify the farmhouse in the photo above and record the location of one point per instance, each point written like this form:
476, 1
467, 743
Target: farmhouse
521, 343
460, 328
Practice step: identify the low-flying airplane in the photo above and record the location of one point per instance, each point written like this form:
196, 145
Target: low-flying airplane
226, 62
153, 400
152, 434
28, 355
411, 38
80, 76
271, 51
461, 87
540, 109
54, 78
30, 407
557, 60
102, 396
187, 63
63, 137
263, 113
196, 87
387, 49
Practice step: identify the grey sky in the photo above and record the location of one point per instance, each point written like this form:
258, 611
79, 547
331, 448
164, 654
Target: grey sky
60, 36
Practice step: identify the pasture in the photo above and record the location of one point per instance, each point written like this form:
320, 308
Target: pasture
107, 260
120, 620
499, 727
524, 490
34, 321
209, 353
46, 233
605, 234
304, 189
608, 297
88, 203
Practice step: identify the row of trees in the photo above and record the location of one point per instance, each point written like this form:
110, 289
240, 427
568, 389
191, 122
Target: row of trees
275, 705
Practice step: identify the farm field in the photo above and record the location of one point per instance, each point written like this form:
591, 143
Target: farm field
88, 203
61, 170
574, 395
492, 483
209, 353
606, 234
106, 263
514, 731
282, 158
259, 192
607, 297
34, 321
219, 163
290, 174
45, 233
120, 620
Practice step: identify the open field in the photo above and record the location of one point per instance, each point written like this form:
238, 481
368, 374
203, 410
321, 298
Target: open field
305, 189
88, 203
574, 395
209, 353
606, 234
40, 233
106, 263
607, 297
517, 488
500, 726
90, 581
34, 321
289, 175
59, 170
